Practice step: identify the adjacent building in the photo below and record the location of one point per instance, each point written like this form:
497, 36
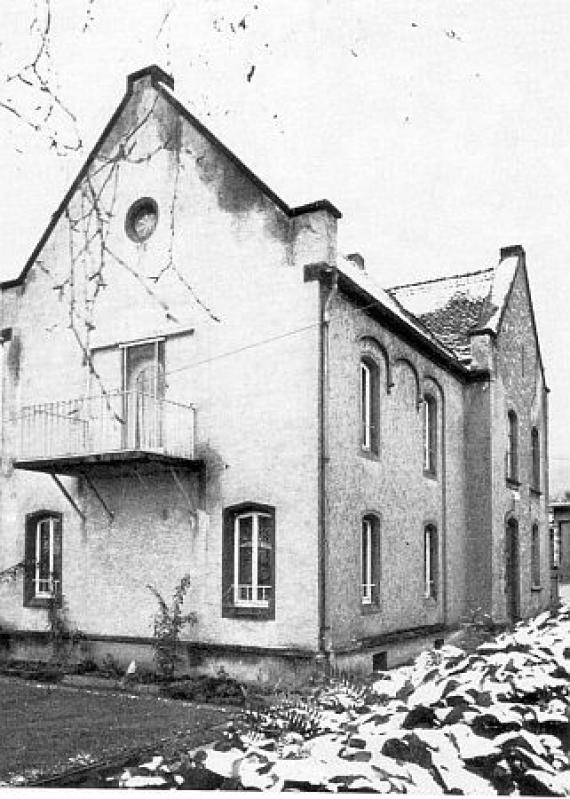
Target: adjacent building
195, 380
560, 541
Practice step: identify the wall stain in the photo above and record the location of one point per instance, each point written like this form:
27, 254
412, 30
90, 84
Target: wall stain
15, 358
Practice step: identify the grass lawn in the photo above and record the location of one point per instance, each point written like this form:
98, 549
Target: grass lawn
44, 728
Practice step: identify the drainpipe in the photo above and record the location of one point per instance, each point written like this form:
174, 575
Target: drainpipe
444, 510
327, 290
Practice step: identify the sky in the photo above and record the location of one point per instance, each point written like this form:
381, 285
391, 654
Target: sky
439, 129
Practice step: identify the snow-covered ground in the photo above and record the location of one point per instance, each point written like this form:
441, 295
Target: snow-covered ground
495, 721
564, 591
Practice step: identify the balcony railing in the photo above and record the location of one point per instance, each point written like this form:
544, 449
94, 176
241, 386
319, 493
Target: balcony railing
117, 421
251, 595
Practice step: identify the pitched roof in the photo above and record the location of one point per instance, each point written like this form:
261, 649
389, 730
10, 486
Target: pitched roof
363, 280
164, 85
453, 308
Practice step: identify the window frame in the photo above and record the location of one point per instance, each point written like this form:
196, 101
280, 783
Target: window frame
555, 546
430, 434
234, 606
512, 454
535, 459
431, 562
369, 406
33, 596
369, 562
535, 556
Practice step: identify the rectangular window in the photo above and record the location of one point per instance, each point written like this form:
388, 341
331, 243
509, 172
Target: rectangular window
367, 584
43, 576
512, 448
430, 434
42, 573
555, 546
535, 556
535, 446
366, 397
369, 560
252, 559
369, 405
248, 561
430, 562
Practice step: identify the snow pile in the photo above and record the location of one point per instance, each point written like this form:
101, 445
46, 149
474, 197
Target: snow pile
490, 722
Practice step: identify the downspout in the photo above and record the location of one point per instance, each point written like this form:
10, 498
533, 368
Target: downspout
444, 510
327, 290
553, 575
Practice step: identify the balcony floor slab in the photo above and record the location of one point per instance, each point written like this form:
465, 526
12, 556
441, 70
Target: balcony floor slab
101, 462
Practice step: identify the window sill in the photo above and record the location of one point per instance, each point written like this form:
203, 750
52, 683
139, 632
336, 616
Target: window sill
430, 600
536, 588
512, 483
369, 608
42, 602
369, 454
429, 473
536, 492
252, 612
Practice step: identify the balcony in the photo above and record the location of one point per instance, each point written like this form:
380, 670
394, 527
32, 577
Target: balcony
116, 427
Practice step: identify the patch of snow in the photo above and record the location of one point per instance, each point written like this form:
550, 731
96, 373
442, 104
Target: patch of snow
152, 765
504, 274
364, 281
432, 296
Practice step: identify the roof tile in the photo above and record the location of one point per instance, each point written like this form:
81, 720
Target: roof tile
450, 307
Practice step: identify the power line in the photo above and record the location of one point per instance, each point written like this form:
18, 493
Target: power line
246, 347
269, 340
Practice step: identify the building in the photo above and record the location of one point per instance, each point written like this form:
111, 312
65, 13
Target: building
560, 543
195, 381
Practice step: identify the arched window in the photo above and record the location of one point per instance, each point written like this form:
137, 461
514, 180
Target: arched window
535, 556
535, 447
430, 433
370, 560
430, 562
369, 405
512, 447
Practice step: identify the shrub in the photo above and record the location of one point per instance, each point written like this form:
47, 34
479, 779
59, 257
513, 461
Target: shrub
168, 623
110, 667
63, 638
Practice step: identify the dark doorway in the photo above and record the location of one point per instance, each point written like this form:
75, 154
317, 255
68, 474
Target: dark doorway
512, 580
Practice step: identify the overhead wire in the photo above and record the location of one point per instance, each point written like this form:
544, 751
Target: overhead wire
269, 340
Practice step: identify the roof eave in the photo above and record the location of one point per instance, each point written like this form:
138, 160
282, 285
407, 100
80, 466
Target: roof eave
317, 205
375, 307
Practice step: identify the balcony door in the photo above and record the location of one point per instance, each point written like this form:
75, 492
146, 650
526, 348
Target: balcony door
143, 395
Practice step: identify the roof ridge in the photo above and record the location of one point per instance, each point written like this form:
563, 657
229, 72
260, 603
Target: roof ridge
441, 279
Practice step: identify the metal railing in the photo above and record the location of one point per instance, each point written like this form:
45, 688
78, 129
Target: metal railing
112, 422
248, 594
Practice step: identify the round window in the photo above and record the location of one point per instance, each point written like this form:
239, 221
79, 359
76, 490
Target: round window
142, 218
